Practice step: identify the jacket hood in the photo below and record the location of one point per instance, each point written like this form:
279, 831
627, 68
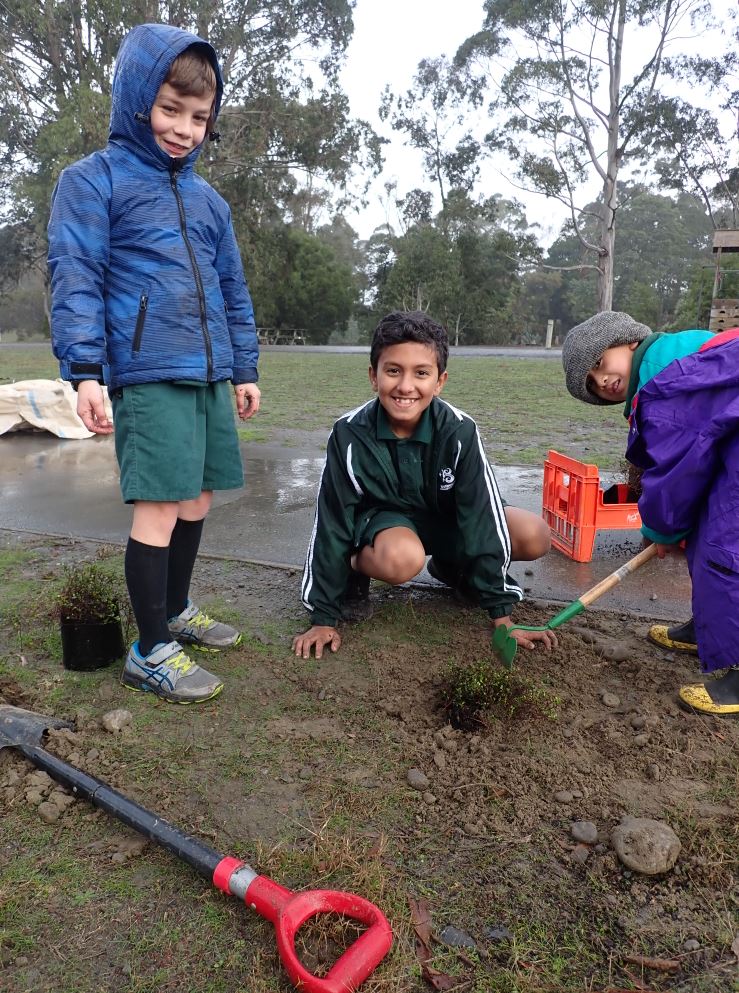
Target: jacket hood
144, 59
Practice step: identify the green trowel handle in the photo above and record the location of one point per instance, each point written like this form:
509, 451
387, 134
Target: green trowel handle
571, 610
597, 591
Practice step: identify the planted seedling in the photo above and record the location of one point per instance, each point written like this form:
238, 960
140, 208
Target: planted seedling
473, 695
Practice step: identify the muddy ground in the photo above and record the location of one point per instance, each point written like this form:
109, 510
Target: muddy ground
302, 769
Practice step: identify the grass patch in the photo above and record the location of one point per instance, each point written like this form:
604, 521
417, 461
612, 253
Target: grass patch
27, 362
520, 404
253, 436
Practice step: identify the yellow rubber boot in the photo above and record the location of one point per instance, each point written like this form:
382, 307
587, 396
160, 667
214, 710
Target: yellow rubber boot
717, 697
677, 638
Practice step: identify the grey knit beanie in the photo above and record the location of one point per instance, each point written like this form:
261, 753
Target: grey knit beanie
586, 342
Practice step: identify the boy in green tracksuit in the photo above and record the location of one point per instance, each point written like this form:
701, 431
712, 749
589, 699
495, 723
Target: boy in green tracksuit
406, 475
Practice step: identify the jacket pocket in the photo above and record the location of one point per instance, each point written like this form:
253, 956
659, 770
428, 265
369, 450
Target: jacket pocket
140, 321
722, 560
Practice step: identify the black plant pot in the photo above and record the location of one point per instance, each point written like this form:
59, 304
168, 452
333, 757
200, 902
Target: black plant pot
88, 646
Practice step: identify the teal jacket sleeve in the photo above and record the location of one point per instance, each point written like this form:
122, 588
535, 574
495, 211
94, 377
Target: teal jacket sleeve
663, 539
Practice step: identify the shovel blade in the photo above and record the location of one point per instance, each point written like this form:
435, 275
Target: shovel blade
504, 646
24, 727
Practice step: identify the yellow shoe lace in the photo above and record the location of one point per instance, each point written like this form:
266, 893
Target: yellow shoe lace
202, 620
181, 662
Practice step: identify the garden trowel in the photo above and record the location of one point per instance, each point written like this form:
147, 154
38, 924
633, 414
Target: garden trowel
505, 646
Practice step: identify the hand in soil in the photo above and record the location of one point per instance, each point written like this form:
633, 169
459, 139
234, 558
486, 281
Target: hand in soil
316, 637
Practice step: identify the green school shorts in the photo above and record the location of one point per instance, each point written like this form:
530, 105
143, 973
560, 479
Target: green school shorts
433, 534
173, 441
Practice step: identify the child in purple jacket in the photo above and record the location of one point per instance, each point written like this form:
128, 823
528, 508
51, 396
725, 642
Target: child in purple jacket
681, 395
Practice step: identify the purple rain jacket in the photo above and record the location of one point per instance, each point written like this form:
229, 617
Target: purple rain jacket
684, 434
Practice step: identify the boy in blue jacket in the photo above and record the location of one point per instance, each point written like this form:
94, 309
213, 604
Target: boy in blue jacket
680, 395
406, 475
149, 298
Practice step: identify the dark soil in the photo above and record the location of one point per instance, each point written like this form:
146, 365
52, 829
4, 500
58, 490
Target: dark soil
302, 769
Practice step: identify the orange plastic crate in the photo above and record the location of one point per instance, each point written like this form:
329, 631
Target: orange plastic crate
574, 508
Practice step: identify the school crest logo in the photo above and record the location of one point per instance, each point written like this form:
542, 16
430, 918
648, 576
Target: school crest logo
447, 479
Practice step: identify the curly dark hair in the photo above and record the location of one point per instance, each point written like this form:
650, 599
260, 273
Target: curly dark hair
410, 325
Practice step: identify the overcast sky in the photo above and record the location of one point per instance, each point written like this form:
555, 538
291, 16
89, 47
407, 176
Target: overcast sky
390, 38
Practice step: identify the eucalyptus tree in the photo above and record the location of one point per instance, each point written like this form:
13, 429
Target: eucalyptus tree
663, 240
463, 266
696, 150
432, 116
289, 144
572, 86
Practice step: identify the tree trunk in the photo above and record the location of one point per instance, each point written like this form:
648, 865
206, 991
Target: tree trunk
606, 247
607, 239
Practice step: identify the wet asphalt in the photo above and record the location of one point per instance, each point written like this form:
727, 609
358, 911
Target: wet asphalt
70, 488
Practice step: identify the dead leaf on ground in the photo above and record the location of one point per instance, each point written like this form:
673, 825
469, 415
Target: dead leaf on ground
661, 965
421, 921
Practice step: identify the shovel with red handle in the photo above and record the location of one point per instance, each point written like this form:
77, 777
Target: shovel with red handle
24, 731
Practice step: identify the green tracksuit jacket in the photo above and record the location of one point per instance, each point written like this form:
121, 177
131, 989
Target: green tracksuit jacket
440, 478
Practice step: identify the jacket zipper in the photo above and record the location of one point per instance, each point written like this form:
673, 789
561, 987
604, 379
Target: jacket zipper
143, 304
195, 272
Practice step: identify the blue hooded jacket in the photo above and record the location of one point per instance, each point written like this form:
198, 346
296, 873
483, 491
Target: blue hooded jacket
146, 277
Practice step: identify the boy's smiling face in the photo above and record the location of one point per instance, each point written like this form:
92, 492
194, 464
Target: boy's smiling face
406, 381
179, 122
609, 377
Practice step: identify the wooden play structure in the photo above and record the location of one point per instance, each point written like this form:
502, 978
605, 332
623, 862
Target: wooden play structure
724, 310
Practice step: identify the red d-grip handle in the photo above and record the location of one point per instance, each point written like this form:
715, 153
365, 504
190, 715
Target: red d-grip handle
288, 911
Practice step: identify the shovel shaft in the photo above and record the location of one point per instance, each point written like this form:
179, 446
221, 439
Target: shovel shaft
285, 909
202, 858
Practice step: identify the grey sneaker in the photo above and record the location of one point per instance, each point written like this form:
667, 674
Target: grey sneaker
170, 674
197, 629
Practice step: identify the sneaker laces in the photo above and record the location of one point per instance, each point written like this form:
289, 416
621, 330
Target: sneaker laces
201, 620
180, 663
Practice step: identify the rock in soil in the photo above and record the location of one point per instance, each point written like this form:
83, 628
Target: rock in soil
417, 780
645, 845
584, 831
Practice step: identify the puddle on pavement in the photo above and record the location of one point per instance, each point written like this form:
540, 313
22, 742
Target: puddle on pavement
53, 486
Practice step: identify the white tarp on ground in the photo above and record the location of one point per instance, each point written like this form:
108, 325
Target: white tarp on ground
44, 405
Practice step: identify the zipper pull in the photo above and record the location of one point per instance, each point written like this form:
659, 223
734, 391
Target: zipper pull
143, 302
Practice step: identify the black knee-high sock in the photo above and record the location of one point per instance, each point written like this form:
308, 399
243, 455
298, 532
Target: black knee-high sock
146, 578
183, 550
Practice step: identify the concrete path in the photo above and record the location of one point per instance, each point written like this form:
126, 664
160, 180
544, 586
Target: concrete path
71, 488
